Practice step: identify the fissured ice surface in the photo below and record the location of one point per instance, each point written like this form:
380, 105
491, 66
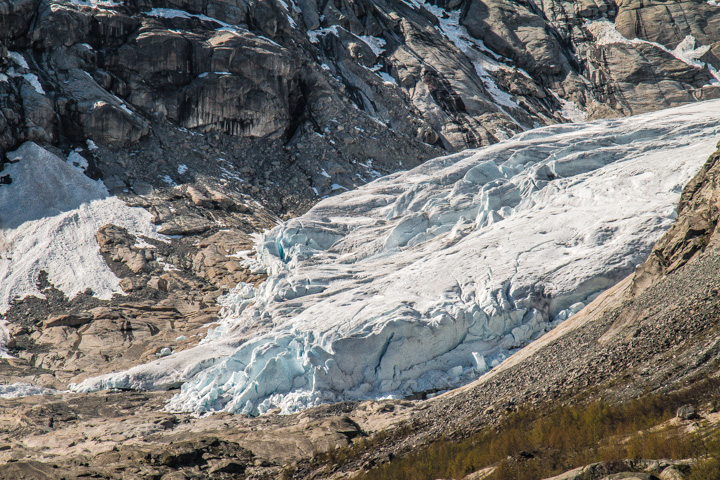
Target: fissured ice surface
424, 279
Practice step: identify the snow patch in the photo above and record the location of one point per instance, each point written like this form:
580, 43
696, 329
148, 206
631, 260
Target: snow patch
17, 390
76, 160
168, 180
314, 35
174, 13
376, 44
96, 3
4, 339
387, 78
570, 109
18, 59
182, 168
287, 13
424, 279
48, 219
689, 53
33, 80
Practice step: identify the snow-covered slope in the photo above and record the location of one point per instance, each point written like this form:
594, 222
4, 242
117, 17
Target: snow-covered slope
426, 279
49, 215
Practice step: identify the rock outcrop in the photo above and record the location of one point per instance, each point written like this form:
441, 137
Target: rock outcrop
694, 230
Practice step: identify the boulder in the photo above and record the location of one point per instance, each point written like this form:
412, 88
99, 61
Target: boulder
687, 412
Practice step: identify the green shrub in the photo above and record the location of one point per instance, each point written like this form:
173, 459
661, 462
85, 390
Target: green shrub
536, 444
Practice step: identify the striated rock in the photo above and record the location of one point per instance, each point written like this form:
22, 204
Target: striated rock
67, 320
15, 18
668, 23
516, 32
113, 125
185, 226
401, 79
647, 75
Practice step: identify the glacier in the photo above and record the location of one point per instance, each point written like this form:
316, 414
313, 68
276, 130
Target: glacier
423, 280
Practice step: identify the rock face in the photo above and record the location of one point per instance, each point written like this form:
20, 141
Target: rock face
693, 232
455, 74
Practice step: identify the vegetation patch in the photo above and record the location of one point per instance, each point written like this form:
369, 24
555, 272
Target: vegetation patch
534, 444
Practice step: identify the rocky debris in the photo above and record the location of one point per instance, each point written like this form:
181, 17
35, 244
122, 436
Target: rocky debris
171, 289
687, 412
629, 470
127, 435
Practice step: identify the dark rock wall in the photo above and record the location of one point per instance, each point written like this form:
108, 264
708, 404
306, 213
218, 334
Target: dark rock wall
251, 69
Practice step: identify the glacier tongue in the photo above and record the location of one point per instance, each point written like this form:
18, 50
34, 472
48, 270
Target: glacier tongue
424, 279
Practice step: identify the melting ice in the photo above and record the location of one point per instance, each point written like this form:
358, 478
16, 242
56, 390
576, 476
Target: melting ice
425, 279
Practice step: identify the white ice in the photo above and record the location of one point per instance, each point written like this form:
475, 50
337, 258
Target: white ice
174, 13
570, 110
376, 44
16, 390
49, 215
33, 80
18, 59
78, 161
423, 280
4, 339
387, 78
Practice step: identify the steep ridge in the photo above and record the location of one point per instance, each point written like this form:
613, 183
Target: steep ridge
515, 237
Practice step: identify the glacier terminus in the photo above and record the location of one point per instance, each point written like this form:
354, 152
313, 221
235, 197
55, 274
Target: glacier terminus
423, 280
